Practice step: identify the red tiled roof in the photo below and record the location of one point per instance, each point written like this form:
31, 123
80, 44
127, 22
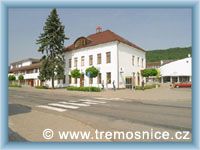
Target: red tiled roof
103, 37
150, 64
33, 60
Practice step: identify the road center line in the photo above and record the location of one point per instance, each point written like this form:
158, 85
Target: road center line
92, 101
102, 98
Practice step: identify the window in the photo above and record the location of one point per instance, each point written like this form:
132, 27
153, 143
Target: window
138, 61
108, 77
28, 72
90, 80
108, 59
142, 63
80, 42
75, 80
70, 63
58, 81
90, 60
70, 79
99, 78
98, 58
36, 70
82, 60
75, 62
133, 60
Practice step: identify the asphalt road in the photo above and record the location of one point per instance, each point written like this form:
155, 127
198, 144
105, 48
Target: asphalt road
102, 113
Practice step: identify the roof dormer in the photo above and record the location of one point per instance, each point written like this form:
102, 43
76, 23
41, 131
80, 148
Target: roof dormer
81, 42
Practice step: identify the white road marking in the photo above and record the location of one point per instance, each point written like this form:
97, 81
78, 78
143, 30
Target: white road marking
64, 106
52, 108
76, 104
92, 101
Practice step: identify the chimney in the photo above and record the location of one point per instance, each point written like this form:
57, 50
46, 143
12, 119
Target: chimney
189, 55
98, 29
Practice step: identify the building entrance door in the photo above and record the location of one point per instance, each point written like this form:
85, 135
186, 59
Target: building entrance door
30, 82
82, 80
128, 82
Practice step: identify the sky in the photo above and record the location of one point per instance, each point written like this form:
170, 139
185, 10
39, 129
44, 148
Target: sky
148, 28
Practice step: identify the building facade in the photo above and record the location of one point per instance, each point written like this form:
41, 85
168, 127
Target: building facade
177, 71
29, 68
118, 60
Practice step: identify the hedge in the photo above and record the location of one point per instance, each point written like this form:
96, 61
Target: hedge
15, 85
41, 87
87, 89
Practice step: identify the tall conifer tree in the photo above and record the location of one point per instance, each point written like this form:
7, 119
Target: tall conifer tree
51, 45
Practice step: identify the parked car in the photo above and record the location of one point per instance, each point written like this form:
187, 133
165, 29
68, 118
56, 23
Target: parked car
183, 85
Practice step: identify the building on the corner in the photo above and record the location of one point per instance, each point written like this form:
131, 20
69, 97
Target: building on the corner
177, 71
29, 68
116, 58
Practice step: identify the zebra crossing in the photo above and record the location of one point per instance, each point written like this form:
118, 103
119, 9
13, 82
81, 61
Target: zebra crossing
63, 106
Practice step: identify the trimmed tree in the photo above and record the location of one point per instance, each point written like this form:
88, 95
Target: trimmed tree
20, 78
149, 72
75, 73
11, 78
92, 72
51, 45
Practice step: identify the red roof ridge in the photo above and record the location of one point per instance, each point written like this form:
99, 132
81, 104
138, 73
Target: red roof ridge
107, 36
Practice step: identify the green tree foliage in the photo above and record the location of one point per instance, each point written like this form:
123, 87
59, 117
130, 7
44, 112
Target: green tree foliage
21, 77
51, 45
149, 72
168, 54
75, 73
11, 78
93, 71
158, 73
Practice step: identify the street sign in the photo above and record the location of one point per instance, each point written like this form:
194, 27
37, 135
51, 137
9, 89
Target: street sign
88, 74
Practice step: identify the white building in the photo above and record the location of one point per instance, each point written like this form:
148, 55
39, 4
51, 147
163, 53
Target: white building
29, 68
177, 71
117, 59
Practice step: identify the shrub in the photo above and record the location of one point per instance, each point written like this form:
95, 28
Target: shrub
41, 87
75, 73
149, 72
147, 87
87, 89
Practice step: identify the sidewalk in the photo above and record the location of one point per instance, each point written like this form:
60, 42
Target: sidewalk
30, 126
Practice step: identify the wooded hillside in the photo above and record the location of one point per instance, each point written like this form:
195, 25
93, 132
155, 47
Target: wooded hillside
168, 54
